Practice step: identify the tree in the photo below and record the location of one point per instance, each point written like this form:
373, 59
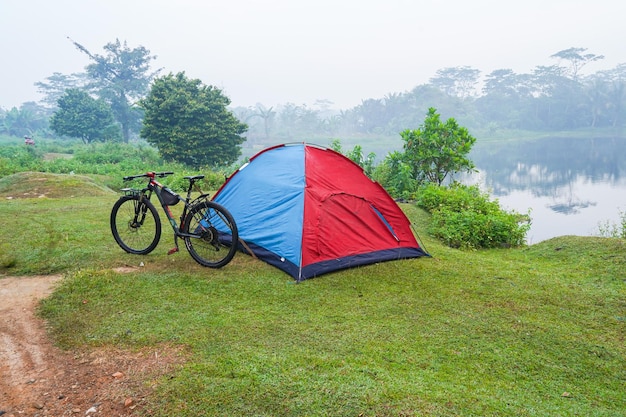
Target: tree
371, 115
507, 100
26, 120
189, 122
577, 60
456, 81
616, 94
396, 176
556, 98
436, 149
81, 116
55, 86
121, 77
267, 115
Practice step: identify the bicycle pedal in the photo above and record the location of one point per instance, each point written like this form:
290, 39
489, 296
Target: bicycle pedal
171, 251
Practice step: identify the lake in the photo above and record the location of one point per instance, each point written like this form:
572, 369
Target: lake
569, 185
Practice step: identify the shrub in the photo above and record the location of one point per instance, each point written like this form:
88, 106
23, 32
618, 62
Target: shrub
110, 159
211, 182
17, 158
396, 177
611, 229
464, 217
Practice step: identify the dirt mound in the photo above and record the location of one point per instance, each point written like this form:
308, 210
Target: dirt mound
40, 184
37, 378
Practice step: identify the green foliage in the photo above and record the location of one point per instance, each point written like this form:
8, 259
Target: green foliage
26, 120
113, 160
56, 84
431, 154
396, 177
367, 163
120, 77
18, 158
464, 217
190, 123
81, 116
611, 229
356, 156
335, 145
211, 182
437, 150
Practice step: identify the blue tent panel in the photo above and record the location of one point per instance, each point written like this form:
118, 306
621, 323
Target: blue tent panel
271, 204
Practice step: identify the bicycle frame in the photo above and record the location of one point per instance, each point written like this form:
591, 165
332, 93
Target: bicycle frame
156, 187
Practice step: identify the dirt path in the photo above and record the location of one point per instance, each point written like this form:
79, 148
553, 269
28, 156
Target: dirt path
39, 379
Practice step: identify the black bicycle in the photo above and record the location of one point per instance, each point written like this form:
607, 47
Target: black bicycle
207, 228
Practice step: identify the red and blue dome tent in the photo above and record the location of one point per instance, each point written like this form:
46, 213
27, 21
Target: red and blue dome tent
309, 210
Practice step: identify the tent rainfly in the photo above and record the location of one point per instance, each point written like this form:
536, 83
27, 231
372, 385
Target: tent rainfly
309, 210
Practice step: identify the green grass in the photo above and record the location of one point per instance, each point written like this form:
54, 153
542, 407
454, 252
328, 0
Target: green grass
465, 333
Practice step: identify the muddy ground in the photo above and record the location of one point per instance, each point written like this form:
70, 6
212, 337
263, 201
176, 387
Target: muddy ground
39, 379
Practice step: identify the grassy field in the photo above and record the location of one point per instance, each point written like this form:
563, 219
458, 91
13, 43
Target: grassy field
536, 331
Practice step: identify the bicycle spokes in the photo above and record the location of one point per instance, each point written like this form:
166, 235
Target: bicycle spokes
212, 225
210, 234
135, 225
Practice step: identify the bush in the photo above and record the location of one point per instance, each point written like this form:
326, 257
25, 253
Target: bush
111, 160
18, 158
211, 182
396, 177
464, 217
612, 229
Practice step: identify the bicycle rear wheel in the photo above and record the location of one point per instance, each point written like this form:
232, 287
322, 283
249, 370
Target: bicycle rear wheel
135, 225
211, 234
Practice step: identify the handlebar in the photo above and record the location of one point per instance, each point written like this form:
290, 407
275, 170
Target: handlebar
148, 175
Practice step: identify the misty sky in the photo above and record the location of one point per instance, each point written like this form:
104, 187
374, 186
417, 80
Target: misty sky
298, 51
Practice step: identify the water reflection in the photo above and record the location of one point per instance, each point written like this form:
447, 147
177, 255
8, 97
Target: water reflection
569, 185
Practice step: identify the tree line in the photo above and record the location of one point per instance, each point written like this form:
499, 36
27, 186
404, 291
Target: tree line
108, 102
190, 123
550, 98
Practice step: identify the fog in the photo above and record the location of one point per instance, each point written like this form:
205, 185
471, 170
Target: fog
280, 51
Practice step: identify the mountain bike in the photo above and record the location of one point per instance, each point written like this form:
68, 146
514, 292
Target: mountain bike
207, 228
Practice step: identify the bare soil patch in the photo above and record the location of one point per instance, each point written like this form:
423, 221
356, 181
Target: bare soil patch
39, 379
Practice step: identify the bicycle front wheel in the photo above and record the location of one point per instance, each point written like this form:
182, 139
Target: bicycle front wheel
210, 234
135, 225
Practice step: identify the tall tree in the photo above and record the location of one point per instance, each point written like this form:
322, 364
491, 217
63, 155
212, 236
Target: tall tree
372, 115
577, 59
616, 95
55, 86
437, 149
121, 77
81, 116
457, 81
557, 97
268, 115
189, 122
26, 120
506, 100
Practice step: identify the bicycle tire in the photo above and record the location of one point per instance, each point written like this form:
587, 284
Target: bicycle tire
138, 238
214, 234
